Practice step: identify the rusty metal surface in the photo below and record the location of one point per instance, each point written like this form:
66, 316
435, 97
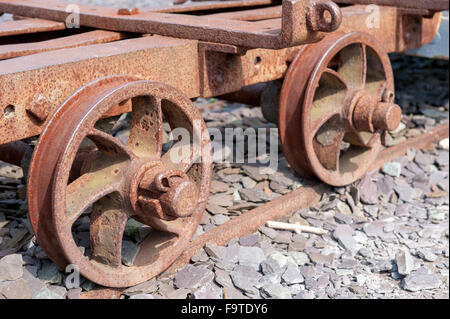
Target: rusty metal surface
333, 96
78, 40
302, 22
222, 73
113, 181
212, 5
251, 15
27, 26
53, 76
13, 152
438, 5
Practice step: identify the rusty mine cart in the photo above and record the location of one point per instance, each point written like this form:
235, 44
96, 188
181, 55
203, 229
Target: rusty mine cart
327, 61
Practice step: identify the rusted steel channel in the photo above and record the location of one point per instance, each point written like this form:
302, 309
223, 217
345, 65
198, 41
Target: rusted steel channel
301, 22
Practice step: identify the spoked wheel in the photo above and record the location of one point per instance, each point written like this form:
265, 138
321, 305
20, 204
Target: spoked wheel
335, 105
165, 190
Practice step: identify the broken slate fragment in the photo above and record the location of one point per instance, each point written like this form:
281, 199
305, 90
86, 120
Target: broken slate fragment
249, 240
17, 289
269, 232
214, 251
393, 169
191, 277
129, 252
405, 263
11, 267
343, 235
292, 275
251, 256
246, 279
209, 291
277, 291
147, 287
219, 219
299, 257
421, 280
368, 191
49, 273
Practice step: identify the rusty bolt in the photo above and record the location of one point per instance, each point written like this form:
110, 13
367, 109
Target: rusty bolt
39, 108
388, 96
180, 194
387, 116
316, 16
127, 11
370, 114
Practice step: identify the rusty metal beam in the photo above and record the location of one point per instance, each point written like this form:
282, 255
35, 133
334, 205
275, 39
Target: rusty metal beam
212, 5
251, 15
41, 82
27, 26
302, 22
77, 40
437, 5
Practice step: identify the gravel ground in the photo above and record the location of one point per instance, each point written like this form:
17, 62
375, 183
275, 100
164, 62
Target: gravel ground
387, 234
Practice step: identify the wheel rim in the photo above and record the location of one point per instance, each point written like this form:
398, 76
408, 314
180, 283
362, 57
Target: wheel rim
119, 181
333, 93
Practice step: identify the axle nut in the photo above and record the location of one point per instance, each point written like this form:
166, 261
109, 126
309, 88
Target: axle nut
387, 116
370, 114
181, 199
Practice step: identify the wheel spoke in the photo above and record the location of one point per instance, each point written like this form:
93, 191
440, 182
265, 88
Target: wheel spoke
108, 221
108, 144
146, 133
353, 65
328, 99
327, 143
104, 178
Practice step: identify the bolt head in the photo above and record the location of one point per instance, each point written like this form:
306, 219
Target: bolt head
127, 11
181, 199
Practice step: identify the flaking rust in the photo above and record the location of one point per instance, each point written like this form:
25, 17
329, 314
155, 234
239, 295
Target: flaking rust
58, 83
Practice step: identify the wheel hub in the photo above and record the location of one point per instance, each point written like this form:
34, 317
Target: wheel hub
161, 192
370, 114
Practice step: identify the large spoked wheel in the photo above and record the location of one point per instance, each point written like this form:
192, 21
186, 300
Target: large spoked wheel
335, 105
165, 190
